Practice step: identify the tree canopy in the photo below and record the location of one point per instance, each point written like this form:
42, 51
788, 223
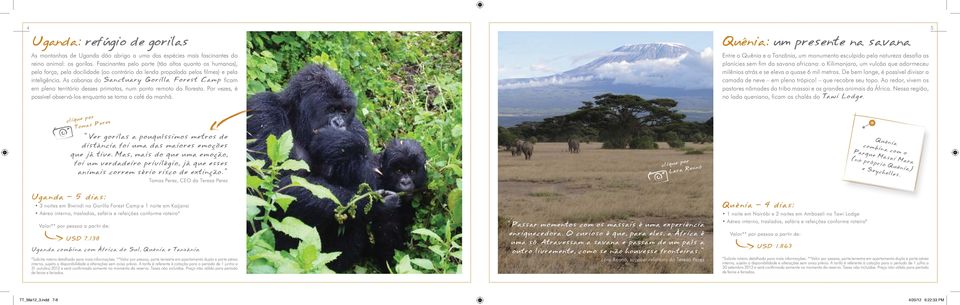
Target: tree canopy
616, 120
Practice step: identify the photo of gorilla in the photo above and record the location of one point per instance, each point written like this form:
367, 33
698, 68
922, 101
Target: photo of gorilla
354, 152
401, 166
318, 108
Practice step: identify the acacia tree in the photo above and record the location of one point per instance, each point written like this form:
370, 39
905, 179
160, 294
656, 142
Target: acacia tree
619, 118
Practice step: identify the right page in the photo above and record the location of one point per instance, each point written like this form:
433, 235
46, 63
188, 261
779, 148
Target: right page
755, 152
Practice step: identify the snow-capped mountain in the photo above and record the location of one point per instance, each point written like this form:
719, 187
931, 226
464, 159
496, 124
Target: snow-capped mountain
650, 70
633, 53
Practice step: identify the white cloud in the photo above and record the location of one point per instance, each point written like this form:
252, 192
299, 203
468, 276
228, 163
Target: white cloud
707, 55
689, 71
543, 81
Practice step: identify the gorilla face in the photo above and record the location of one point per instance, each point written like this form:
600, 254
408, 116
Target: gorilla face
330, 112
402, 166
317, 98
320, 109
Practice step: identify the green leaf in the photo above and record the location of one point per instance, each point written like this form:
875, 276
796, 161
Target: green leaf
404, 266
325, 258
283, 200
317, 190
263, 240
423, 263
457, 131
428, 233
297, 229
274, 86
308, 254
455, 200
256, 164
304, 35
260, 266
284, 146
282, 263
294, 165
255, 201
324, 59
272, 149
253, 182
289, 267
252, 211
255, 86
437, 250
268, 67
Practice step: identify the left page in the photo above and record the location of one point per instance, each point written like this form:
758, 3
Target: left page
210, 153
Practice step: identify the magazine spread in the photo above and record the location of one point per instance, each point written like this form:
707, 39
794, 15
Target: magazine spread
479, 152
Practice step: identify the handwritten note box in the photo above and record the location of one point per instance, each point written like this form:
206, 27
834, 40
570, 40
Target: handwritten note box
884, 153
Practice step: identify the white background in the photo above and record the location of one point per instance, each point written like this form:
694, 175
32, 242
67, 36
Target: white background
501, 11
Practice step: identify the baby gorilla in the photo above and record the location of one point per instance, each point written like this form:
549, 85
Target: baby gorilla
401, 165
342, 163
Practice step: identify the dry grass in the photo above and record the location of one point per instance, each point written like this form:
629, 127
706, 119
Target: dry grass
603, 186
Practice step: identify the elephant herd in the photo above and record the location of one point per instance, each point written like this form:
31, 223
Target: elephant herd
521, 147
525, 148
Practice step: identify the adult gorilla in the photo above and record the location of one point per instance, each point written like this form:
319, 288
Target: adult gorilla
318, 107
314, 98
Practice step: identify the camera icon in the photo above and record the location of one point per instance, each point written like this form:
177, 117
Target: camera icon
64, 132
659, 176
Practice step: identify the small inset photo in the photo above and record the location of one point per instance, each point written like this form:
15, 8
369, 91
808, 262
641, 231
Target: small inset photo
354, 152
605, 159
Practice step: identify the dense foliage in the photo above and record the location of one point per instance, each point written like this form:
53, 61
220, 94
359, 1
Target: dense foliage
408, 85
619, 121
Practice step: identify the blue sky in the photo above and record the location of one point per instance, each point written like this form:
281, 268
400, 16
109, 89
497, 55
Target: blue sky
531, 54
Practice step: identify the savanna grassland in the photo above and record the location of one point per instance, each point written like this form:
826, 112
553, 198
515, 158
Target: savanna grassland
607, 188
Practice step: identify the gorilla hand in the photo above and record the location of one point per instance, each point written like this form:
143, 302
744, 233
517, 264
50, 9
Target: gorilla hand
391, 201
